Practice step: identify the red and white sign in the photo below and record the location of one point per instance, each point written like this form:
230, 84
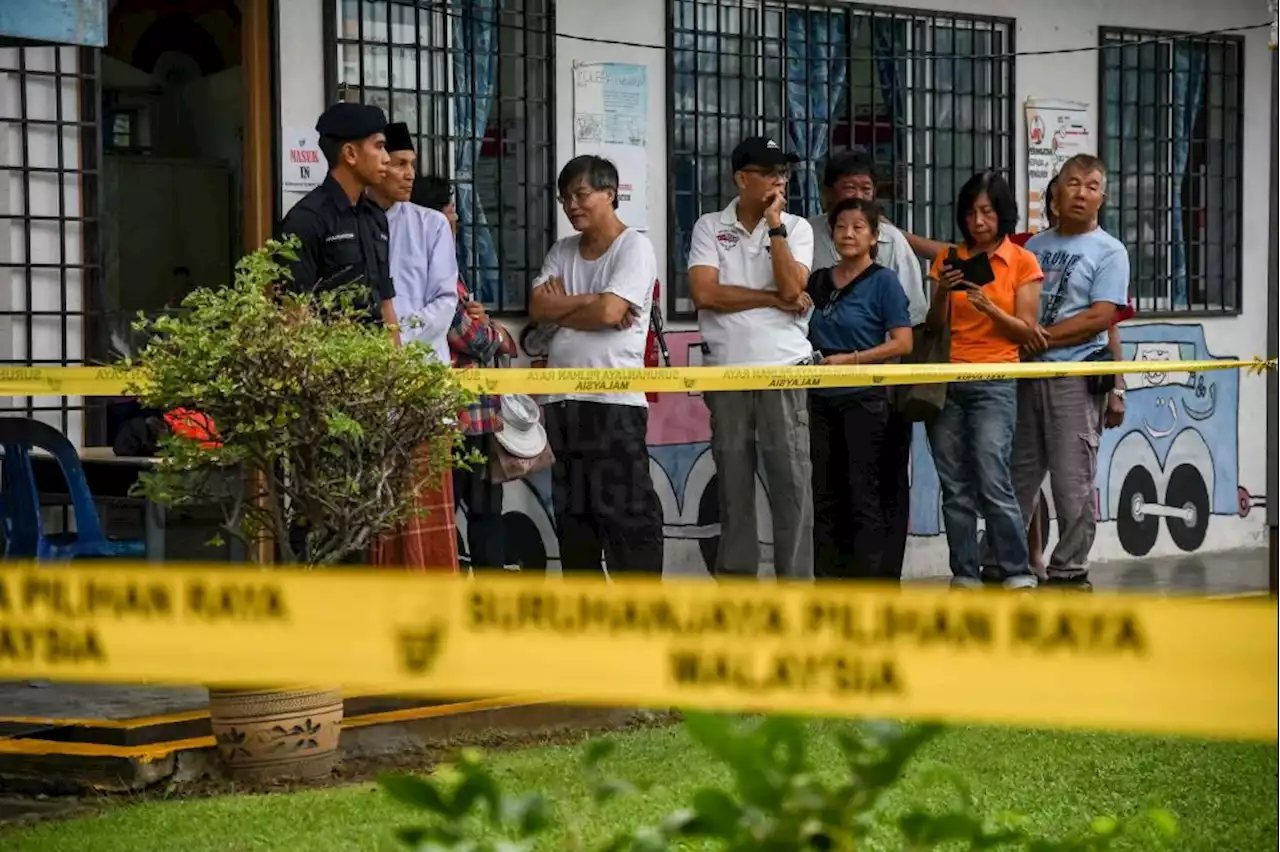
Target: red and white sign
302, 166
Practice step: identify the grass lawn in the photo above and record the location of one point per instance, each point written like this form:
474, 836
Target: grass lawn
1224, 794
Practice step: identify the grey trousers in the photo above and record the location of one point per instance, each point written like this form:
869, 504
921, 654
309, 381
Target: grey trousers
1058, 426
775, 424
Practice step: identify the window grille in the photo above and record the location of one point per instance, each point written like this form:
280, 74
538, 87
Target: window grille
818, 78
50, 251
1171, 131
474, 81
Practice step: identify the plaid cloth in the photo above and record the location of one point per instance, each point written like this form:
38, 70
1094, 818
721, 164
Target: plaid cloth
426, 542
475, 344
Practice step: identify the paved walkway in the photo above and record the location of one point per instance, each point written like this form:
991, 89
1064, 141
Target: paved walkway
1222, 573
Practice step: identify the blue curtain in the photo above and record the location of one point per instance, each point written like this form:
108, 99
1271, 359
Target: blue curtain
890, 40
817, 65
475, 74
1188, 90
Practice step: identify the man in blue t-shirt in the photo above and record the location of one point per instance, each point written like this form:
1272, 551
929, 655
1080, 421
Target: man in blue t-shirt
1086, 279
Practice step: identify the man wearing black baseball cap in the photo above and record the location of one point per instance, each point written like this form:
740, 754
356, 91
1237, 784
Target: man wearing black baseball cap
748, 267
344, 234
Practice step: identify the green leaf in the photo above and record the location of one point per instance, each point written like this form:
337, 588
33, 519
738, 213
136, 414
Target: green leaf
924, 829
1105, 826
606, 789
716, 811
530, 813
411, 790
477, 787
1164, 821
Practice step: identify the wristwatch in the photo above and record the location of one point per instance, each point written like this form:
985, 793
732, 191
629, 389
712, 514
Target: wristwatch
1118, 393
780, 231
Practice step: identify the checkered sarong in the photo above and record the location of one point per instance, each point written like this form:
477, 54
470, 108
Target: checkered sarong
427, 542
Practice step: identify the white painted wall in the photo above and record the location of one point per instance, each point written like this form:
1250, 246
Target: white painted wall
301, 63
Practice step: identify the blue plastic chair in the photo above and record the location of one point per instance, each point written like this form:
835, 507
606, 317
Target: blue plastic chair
24, 536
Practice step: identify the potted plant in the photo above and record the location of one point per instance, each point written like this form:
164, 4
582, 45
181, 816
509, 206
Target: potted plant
314, 429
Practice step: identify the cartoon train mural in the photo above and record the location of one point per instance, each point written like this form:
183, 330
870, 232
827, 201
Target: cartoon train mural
1172, 465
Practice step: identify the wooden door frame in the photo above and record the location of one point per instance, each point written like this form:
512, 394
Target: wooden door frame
260, 172
261, 126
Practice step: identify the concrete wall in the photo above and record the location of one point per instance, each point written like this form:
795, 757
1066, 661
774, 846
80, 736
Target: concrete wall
1199, 440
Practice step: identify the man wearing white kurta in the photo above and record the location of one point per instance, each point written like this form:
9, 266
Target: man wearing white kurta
425, 269
424, 266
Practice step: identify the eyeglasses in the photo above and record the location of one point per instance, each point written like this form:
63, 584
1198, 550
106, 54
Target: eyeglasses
580, 197
775, 172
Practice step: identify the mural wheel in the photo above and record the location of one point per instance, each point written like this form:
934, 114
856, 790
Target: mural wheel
1137, 530
1187, 493
708, 514
524, 543
1244, 502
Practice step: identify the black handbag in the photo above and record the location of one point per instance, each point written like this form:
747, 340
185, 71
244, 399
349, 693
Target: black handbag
921, 403
1105, 383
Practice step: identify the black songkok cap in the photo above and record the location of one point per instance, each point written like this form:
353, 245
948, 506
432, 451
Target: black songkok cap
398, 138
348, 121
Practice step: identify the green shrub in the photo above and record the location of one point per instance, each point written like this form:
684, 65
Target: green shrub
319, 413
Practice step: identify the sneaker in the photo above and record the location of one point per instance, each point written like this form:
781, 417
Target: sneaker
1020, 583
965, 583
1078, 583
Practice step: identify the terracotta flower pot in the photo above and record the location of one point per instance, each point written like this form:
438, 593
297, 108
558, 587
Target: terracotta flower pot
270, 734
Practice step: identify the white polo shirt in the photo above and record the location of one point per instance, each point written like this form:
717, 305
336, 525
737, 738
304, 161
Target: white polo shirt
760, 336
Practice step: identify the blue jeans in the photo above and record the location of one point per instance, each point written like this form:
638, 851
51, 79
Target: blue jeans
972, 441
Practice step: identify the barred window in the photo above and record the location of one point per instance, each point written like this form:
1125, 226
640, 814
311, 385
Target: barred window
1172, 135
473, 79
51, 272
929, 95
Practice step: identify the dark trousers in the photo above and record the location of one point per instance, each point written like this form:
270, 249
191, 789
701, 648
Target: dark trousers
481, 501
853, 482
895, 493
602, 489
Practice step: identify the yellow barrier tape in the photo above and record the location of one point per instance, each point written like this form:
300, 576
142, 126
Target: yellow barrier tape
1166, 665
112, 381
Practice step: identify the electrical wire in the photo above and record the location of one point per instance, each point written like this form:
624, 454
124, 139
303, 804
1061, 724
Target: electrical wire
1166, 38
1162, 39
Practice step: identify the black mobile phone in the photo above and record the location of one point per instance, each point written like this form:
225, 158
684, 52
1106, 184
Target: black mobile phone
977, 270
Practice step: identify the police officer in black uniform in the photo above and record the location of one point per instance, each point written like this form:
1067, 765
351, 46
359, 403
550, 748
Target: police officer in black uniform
344, 233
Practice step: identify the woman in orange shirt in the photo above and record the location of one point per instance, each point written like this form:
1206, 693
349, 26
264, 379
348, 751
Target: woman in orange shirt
972, 436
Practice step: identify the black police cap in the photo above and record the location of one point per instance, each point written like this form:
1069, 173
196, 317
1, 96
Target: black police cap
348, 121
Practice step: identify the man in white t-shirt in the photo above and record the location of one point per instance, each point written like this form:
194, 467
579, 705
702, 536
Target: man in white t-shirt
597, 287
748, 267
